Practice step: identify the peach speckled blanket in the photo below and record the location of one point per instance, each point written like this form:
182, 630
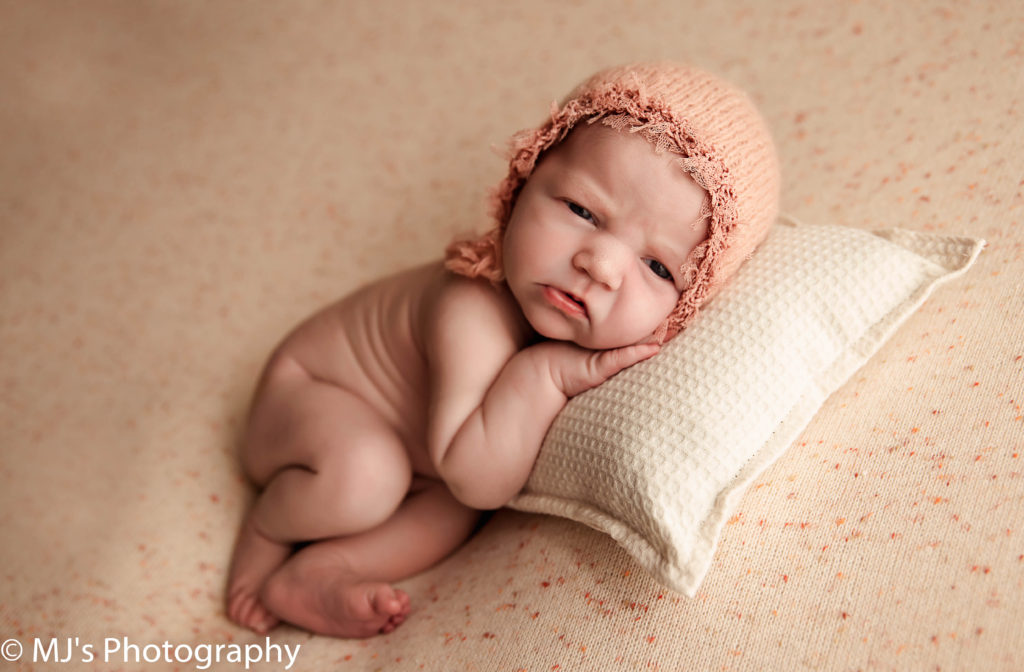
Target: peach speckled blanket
180, 182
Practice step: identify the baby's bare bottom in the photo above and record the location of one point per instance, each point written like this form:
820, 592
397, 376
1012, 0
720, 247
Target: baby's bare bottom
334, 473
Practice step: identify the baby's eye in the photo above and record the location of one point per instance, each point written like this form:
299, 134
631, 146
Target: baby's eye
658, 269
580, 211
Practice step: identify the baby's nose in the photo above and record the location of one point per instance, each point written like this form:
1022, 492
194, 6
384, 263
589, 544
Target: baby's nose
603, 262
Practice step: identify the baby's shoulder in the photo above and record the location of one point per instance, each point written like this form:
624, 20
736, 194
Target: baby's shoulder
457, 292
473, 309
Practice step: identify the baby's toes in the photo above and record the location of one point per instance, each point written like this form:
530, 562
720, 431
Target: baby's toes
245, 609
386, 602
263, 621
240, 604
393, 605
396, 620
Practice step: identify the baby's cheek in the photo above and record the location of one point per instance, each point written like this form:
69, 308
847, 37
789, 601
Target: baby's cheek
635, 325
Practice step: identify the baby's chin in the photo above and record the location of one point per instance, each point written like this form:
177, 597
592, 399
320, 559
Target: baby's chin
555, 329
589, 342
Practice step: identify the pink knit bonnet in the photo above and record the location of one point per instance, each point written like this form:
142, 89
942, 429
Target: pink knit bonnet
722, 142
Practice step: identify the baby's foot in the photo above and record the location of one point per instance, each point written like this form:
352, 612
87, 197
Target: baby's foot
332, 602
255, 558
365, 609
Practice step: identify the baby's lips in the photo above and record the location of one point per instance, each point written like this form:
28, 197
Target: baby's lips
564, 300
583, 304
577, 299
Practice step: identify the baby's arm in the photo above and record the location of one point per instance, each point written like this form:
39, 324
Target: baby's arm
492, 403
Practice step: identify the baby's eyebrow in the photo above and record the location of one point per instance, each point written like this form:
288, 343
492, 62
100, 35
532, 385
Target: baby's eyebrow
664, 247
670, 245
591, 190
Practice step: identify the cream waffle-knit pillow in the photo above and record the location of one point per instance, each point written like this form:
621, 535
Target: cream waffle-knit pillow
658, 456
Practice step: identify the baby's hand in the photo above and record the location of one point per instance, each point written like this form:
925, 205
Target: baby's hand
574, 369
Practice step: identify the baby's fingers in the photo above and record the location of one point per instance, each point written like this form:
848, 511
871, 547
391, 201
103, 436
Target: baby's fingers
597, 366
610, 362
575, 369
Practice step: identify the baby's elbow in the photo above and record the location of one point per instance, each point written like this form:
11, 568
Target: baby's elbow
480, 482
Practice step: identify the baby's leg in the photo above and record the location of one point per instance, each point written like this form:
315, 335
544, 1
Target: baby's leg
341, 587
329, 466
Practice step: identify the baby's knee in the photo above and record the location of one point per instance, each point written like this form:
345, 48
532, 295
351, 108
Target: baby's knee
365, 493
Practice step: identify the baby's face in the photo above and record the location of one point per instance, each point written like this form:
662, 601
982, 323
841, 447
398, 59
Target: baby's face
597, 237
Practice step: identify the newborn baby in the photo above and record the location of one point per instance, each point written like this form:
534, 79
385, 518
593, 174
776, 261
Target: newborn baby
383, 424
